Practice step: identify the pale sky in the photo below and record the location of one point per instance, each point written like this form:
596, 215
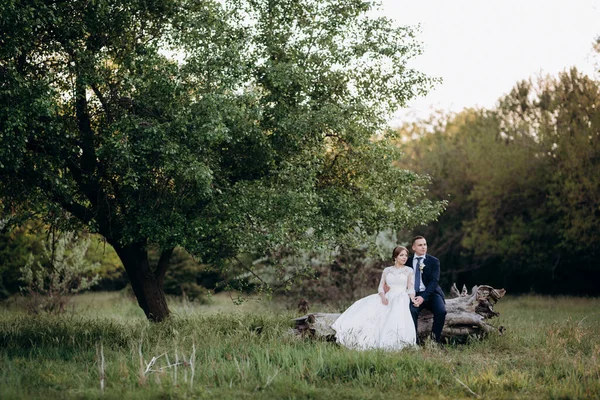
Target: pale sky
482, 48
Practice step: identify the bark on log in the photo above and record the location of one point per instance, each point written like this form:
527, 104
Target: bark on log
466, 316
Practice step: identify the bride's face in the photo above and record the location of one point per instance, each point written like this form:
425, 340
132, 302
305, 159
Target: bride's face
402, 257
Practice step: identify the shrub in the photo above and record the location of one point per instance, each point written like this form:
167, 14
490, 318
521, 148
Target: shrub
60, 271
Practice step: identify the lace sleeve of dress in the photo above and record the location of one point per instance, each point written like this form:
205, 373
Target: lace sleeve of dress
410, 285
382, 281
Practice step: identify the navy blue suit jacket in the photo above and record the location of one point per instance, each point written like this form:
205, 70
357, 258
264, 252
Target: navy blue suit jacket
430, 276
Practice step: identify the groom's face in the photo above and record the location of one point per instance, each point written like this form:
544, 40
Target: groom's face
420, 247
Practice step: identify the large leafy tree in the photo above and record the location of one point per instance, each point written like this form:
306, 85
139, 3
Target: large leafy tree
226, 127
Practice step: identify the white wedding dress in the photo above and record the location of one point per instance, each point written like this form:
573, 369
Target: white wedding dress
369, 324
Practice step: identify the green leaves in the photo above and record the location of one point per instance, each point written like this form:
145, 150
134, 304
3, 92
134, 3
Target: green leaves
521, 185
228, 127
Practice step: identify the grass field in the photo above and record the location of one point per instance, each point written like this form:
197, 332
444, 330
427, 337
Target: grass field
551, 350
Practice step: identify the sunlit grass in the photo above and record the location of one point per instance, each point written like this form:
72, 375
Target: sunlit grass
122, 305
550, 350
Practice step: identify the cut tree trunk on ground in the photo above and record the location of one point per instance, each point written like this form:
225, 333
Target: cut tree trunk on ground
466, 317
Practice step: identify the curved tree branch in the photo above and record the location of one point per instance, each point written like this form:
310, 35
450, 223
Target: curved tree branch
163, 263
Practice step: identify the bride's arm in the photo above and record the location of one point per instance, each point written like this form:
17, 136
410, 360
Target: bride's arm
381, 289
410, 285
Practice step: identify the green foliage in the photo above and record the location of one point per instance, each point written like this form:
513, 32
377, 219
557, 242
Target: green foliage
188, 278
522, 186
15, 247
110, 269
61, 270
550, 350
223, 127
341, 278
18, 243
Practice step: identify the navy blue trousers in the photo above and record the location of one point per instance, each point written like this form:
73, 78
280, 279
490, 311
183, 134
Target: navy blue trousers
436, 304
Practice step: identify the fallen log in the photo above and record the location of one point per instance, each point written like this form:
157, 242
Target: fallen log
466, 316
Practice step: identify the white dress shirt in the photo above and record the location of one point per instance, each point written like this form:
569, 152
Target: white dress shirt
415, 266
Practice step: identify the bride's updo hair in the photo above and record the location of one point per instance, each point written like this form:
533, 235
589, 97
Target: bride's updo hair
397, 251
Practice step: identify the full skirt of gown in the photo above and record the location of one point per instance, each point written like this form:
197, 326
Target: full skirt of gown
369, 324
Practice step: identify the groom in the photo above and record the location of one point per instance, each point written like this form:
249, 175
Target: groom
427, 291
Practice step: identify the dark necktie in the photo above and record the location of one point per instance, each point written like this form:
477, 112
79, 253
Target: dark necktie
418, 275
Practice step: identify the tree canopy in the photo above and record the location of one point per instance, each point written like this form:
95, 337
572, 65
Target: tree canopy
523, 187
225, 127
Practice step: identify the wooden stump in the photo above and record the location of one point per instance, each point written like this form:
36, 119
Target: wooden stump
466, 316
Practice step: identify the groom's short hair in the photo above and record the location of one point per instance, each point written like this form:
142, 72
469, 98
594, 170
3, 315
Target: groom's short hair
415, 239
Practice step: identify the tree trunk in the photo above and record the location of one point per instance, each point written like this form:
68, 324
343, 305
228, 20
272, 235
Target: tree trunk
466, 315
146, 284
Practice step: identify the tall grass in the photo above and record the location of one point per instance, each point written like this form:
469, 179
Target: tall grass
551, 349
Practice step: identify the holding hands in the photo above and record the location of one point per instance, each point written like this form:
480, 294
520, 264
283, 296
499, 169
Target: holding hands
417, 301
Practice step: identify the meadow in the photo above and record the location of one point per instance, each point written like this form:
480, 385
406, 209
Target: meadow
104, 348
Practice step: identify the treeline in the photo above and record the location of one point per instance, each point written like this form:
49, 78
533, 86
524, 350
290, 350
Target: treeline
522, 182
187, 277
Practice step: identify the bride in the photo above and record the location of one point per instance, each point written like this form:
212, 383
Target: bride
383, 320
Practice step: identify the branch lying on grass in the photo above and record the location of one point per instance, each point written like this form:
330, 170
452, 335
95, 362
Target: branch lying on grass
151, 363
466, 387
269, 380
185, 363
